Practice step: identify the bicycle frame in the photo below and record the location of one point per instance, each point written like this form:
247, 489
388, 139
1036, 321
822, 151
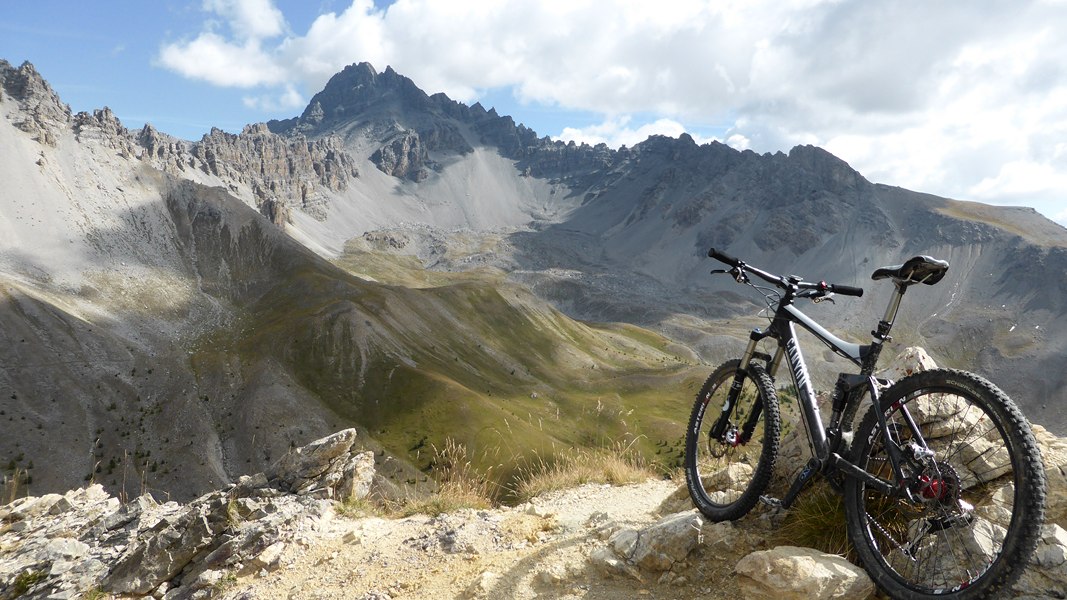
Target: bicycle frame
926, 519
823, 441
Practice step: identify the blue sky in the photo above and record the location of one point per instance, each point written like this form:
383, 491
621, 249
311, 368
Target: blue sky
963, 100
108, 54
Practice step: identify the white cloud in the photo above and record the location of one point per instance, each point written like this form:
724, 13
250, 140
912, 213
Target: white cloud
964, 100
288, 100
618, 132
249, 19
739, 142
211, 58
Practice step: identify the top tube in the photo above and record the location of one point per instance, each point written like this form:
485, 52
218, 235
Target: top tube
853, 352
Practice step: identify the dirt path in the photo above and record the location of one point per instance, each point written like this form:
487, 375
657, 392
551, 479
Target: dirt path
536, 550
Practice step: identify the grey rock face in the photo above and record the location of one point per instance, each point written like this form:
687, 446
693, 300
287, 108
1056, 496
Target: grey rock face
85, 539
405, 157
44, 115
281, 169
282, 172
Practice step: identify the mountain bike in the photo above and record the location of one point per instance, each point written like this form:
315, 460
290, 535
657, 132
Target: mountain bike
942, 481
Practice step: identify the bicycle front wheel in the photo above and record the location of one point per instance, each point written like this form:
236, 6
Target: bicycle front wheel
730, 449
971, 516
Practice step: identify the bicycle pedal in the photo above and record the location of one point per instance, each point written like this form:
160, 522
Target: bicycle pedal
771, 501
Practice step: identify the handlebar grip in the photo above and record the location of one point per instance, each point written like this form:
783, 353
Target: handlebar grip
846, 290
726, 258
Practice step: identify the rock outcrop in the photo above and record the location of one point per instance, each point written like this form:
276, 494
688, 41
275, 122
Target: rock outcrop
286, 169
404, 157
61, 546
791, 573
657, 549
44, 115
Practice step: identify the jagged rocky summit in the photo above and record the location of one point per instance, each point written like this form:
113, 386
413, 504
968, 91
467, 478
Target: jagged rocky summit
277, 173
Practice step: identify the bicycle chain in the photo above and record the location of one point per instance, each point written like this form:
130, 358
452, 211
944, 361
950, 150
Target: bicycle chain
885, 533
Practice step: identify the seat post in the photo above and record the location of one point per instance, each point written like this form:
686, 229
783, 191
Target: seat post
882, 333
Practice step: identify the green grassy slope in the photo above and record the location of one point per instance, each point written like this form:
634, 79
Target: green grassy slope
467, 357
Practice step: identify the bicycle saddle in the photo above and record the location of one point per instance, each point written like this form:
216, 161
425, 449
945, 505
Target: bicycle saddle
920, 269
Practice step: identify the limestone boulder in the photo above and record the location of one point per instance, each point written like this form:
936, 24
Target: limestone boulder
792, 573
657, 548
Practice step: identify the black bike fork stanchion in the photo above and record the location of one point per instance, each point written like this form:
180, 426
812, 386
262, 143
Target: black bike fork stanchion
719, 428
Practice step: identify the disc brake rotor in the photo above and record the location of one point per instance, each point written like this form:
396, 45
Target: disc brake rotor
718, 448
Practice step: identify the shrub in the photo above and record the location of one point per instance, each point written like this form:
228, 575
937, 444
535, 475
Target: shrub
26, 580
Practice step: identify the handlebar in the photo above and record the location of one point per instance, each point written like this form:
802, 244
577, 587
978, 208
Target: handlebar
725, 258
740, 269
845, 290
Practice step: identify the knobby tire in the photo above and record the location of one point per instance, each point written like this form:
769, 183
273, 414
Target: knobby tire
985, 455
725, 480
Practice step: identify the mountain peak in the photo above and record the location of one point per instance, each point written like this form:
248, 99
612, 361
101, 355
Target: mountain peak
358, 91
834, 171
45, 112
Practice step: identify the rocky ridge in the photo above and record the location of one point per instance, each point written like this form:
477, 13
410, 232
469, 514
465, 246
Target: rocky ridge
43, 111
274, 174
409, 125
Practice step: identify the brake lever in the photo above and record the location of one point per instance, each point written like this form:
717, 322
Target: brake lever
828, 296
737, 273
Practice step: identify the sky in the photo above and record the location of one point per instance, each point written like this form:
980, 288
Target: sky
966, 100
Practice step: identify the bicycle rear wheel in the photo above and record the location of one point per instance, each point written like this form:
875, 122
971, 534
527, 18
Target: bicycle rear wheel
976, 483
727, 471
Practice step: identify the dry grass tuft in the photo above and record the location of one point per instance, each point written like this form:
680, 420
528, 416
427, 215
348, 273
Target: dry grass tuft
817, 520
458, 486
616, 465
14, 486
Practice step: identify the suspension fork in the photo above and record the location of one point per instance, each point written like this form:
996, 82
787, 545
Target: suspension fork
719, 428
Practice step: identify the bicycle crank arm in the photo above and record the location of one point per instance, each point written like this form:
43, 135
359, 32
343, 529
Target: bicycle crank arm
798, 484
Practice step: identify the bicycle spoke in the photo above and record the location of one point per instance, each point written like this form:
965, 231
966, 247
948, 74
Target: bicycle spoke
950, 530
730, 452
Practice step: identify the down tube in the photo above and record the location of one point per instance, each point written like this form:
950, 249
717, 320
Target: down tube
819, 446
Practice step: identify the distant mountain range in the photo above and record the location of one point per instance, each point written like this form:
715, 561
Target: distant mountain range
174, 314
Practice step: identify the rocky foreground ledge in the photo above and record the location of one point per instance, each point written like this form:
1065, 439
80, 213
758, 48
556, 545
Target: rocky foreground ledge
86, 542
277, 535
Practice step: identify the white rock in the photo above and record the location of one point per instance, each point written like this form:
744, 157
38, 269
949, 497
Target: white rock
483, 585
270, 558
791, 573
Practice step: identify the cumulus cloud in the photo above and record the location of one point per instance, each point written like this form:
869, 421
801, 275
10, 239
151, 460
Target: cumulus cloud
619, 132
249, 19
218, 61
289, 99
967, 100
